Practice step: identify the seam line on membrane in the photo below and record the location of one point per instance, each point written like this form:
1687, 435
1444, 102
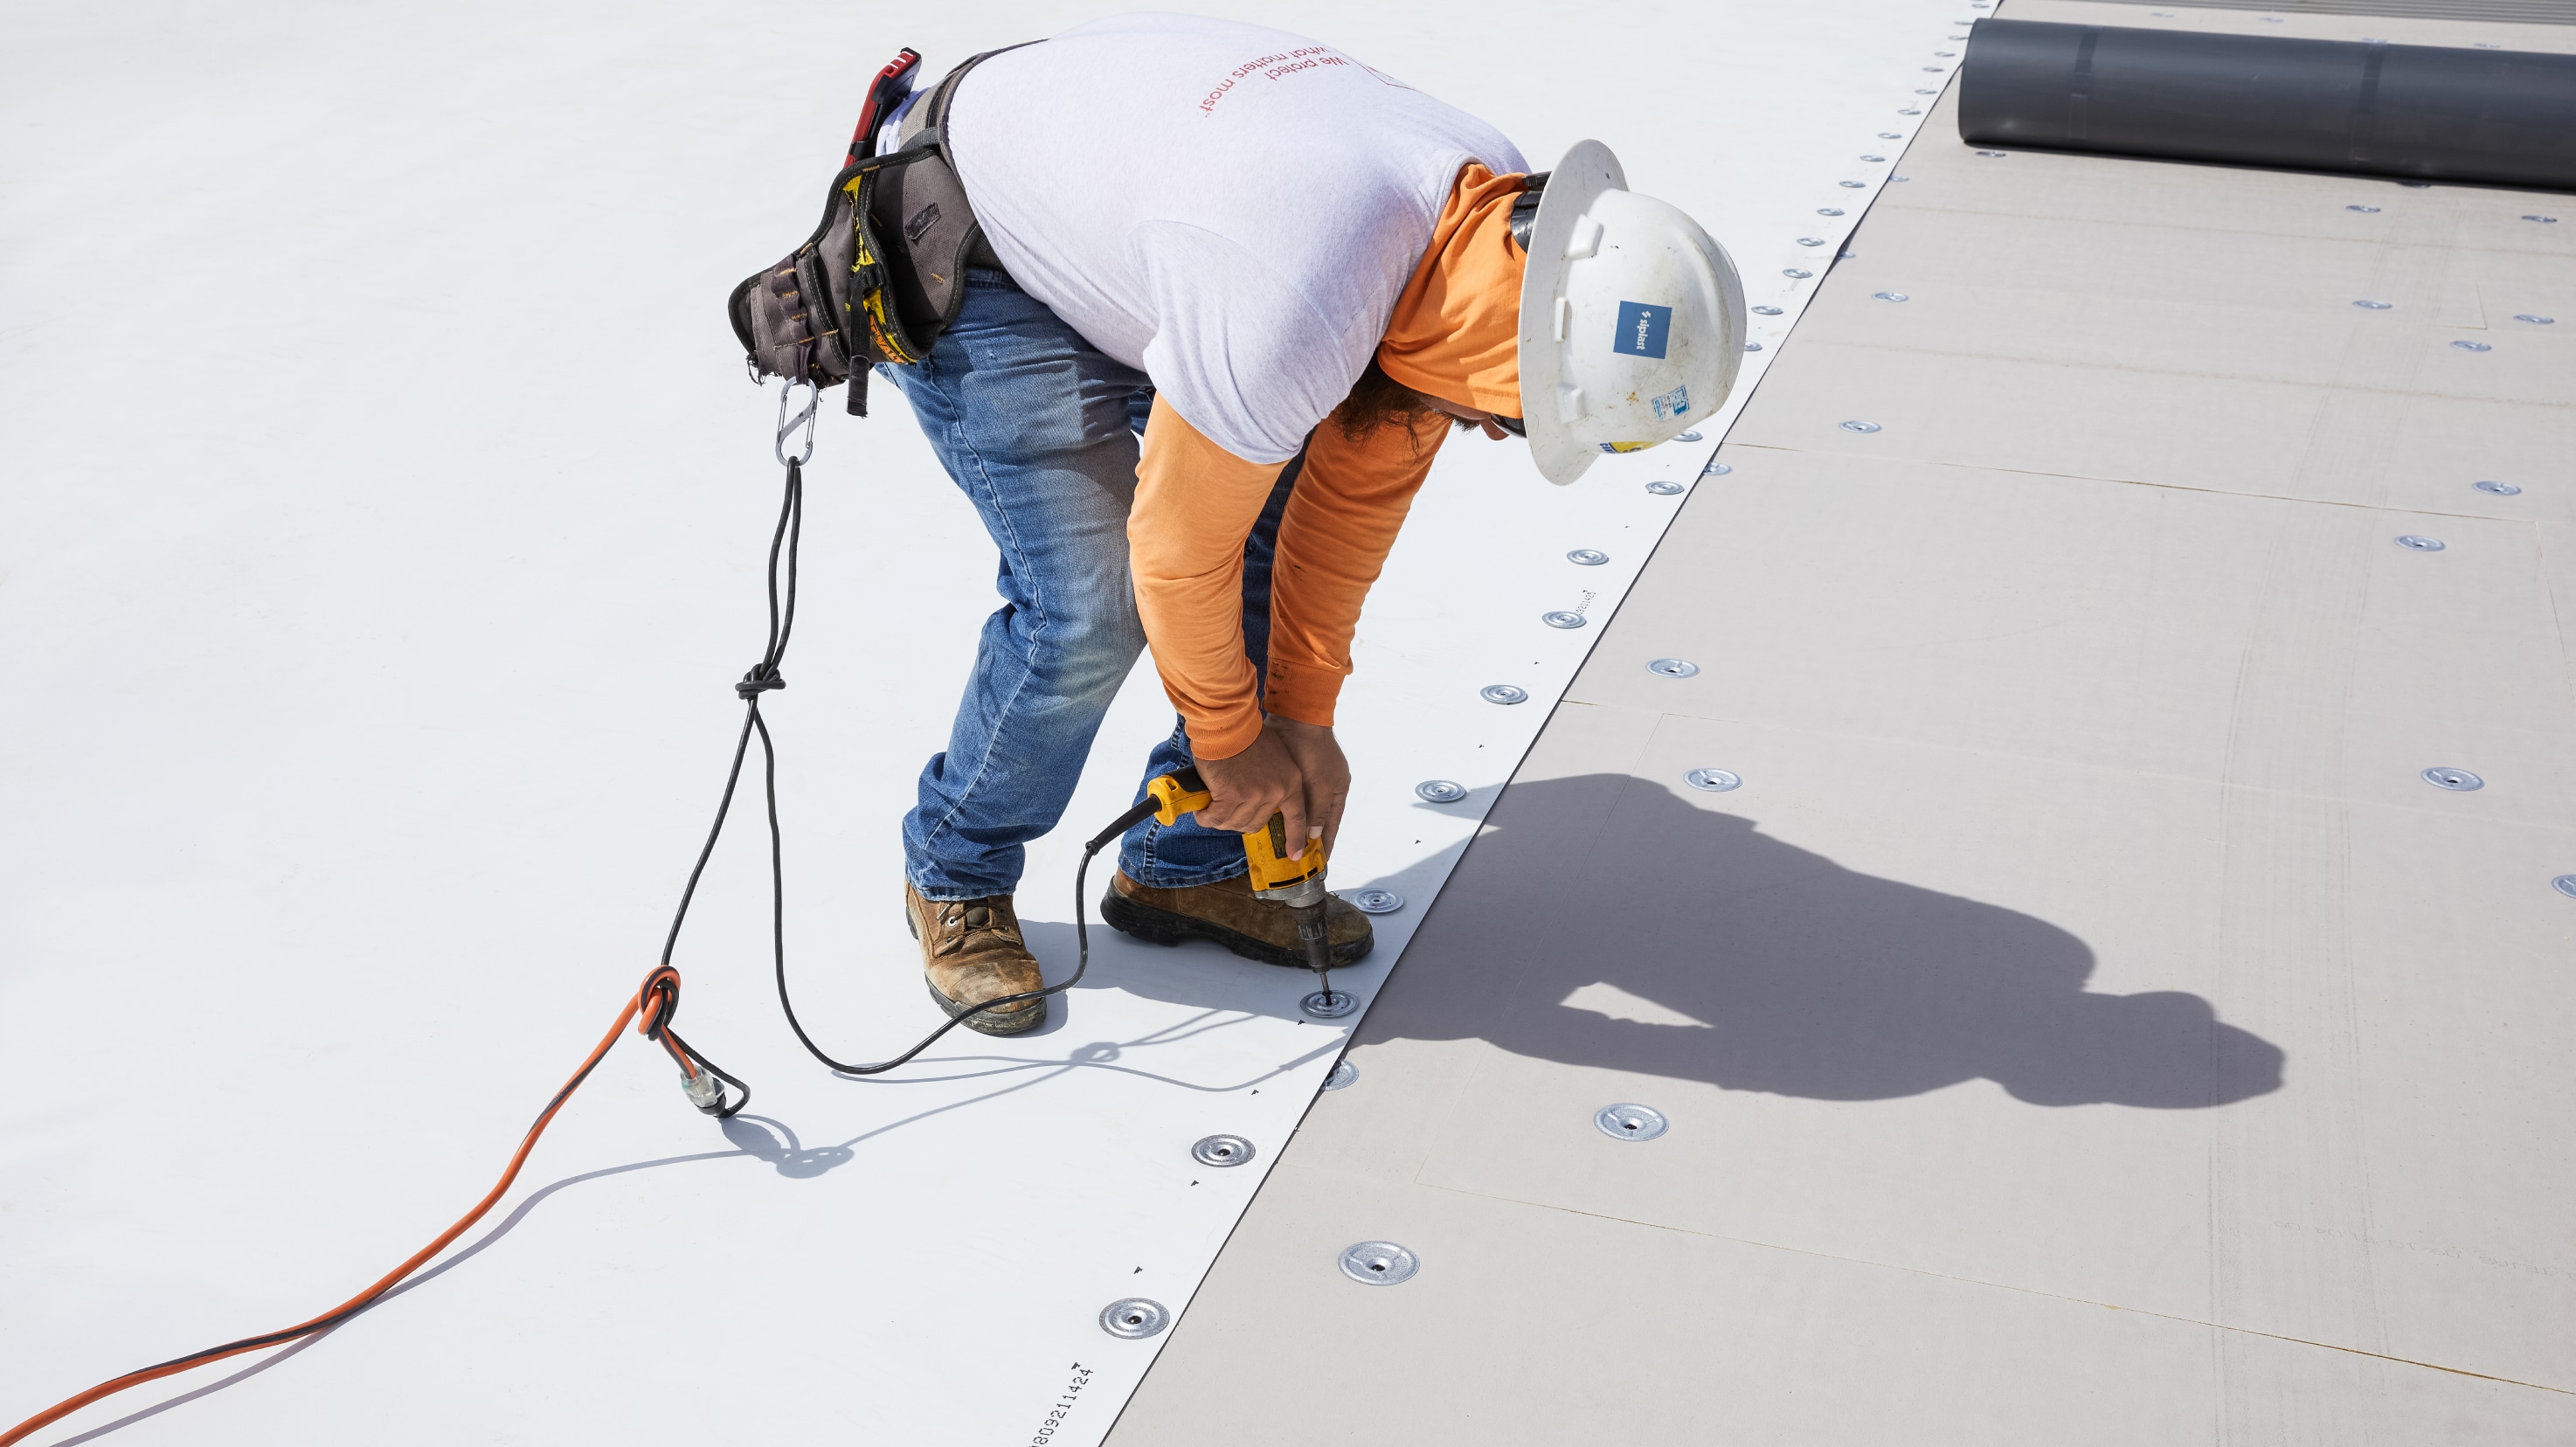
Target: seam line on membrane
2008, 1286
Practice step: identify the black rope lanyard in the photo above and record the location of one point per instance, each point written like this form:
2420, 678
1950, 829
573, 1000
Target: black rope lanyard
763, 677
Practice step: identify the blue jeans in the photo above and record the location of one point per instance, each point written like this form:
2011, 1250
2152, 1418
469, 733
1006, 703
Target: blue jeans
1039, 430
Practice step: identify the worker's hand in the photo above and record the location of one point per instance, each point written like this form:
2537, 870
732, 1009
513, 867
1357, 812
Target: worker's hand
1327, 776
1293, 769
1251, 786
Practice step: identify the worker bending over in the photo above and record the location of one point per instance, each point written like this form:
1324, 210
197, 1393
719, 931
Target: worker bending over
1291, 276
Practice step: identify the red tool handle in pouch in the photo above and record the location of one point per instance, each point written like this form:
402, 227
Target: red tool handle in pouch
891, 85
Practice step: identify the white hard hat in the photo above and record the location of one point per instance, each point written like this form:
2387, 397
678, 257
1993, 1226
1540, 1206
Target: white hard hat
1632, 318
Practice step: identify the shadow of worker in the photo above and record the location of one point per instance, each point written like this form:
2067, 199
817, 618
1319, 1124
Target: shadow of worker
1603, 921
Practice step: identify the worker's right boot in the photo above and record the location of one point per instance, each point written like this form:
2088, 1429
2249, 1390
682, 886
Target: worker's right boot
971, 951
1229, 913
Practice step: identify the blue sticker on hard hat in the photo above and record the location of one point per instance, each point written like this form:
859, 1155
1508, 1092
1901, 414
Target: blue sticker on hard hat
1642, 329
1673, 403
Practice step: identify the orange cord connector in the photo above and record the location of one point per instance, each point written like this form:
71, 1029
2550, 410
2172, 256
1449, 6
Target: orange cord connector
655, 1001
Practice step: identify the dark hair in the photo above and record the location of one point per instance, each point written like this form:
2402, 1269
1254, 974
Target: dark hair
1377, 399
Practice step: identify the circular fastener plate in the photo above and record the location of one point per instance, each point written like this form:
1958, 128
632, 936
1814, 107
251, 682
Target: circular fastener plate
1715, 781
1503, 693
2418, 543
2473, 346
1872, 159
1376, 901
1663, 488
2375, 306
1796, 273
1344, 1076
1853, 185
1752, 346
1715, 469
1440, 791
1379, 1263
2535, 319
2361, 208
2543, 220
1916, 111
1594, 557
1811, 241
1990, 153
1889, 136
2500, 489
1686, 437
1328, 1004
1134, 1317
2458, 781
1860, 427
1562, 619
1891, 296
1829, 211
1766, 311
2565, 884
1221, 1150
1628, 1121
1673, 667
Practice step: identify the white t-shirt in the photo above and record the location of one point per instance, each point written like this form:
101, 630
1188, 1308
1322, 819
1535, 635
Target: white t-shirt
1228, 208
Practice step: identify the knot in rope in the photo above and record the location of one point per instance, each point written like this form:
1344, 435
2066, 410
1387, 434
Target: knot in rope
656, 1001
759, 681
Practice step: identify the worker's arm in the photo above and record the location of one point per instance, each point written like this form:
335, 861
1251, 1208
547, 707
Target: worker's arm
1195, 505
1341, 521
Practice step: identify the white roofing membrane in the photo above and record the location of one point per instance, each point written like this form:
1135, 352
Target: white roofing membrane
382, 542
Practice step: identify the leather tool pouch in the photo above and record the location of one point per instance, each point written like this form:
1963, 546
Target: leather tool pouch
880, 278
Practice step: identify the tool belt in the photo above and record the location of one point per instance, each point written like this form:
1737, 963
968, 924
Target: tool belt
883, 275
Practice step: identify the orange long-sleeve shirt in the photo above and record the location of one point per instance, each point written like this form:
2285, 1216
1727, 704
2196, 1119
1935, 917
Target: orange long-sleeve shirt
1195, 505
1452, 335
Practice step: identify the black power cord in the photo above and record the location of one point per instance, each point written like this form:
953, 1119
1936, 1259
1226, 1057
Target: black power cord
763, 677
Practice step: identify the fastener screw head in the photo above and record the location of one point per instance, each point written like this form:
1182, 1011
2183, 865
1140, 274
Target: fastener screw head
1221, 1150
1134, 1318
1378, 1263
1376, 901
1628, 1121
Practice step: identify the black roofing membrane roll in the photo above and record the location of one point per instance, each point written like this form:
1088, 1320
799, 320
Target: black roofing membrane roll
2419, 111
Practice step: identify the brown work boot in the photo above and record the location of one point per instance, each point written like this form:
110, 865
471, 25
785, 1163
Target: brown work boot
971, 951
1229, 913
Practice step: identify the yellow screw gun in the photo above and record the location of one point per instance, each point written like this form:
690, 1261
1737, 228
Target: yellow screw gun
1293, 878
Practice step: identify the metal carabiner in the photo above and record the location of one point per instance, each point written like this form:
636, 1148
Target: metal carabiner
787, 425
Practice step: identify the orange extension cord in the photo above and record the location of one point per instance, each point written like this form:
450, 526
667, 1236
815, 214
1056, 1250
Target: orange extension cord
656, 1000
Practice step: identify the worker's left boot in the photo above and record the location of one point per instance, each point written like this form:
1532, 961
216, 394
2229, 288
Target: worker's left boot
1229, 913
